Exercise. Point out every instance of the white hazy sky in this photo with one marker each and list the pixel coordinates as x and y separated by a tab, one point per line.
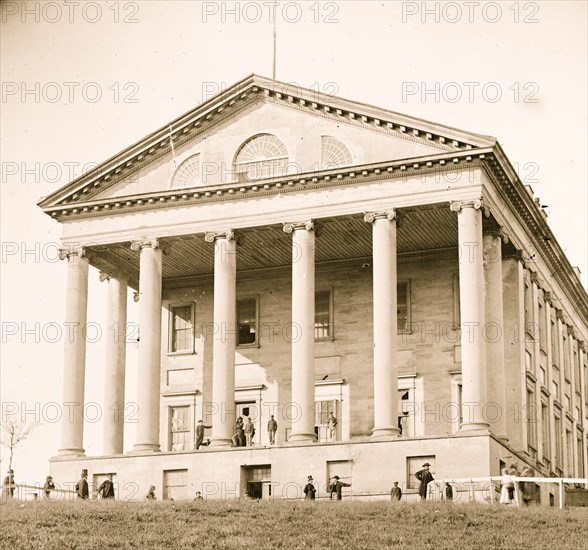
81	83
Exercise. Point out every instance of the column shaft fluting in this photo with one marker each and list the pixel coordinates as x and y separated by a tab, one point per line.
74	367
149	354
114	377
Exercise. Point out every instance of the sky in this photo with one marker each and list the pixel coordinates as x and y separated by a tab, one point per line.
83	80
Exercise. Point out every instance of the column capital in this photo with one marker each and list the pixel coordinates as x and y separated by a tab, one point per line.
370	217
149	243
67	253
548	296
456	206
229	235
107	275
290	227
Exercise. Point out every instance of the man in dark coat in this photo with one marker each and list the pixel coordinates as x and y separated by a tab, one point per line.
425	477
48	487
8	485
200	433
396	493
82	488
309	489
106	489
336	487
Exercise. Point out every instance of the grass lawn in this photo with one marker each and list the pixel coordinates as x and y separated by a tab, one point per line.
283	524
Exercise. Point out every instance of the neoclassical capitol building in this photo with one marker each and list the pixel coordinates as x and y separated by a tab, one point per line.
297	255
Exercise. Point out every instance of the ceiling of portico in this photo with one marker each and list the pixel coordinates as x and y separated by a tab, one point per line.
419	228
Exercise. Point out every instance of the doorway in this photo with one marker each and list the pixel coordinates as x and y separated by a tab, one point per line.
256	481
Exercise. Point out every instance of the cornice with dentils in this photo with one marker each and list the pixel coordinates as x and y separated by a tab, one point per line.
532	217
243	93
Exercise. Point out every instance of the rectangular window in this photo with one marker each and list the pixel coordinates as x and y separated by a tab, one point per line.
456	302
531	418
570	453
555	383
322	426
566	357
323	318
175	484
554	343
181	329
545	444
406	410
580	448
542	327
528	361
403	306
179	419
528	299
247	315
558	445
413	465
576	370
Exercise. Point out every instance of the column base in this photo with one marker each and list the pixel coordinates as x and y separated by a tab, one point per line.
302	437
146	448
390	432
220	442
71	452
471	426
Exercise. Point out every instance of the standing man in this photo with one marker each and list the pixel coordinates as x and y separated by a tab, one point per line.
106	489
272	428
425	477
248	429
336	487
396	493
448	492
82	488
200	427
48	487
332	425
8	484
309	489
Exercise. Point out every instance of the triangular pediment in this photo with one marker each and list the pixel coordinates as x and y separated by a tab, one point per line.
206	140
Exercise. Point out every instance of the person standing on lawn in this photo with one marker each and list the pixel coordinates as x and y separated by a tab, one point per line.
425	477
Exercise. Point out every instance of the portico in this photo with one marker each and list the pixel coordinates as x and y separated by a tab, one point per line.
391	289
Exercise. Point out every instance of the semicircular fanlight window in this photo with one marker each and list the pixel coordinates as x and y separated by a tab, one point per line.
188	173
261	156
334	153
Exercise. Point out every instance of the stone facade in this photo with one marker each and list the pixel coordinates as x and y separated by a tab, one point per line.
408	287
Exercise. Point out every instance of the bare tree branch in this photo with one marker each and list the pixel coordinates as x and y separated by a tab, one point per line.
12	433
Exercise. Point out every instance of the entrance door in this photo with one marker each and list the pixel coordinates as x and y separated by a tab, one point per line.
257	481
250	409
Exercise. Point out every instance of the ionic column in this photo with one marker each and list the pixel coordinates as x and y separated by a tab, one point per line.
74	362
114	376
303	296
385	323
224	337
471	293
149	354
494	331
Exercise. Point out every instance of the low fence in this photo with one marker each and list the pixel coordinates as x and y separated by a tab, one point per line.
488	488
474	489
